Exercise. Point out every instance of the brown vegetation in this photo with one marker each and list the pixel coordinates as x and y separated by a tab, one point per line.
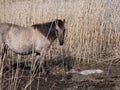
92	34
92	26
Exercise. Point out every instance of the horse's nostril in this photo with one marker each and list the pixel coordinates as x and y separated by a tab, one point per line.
61	43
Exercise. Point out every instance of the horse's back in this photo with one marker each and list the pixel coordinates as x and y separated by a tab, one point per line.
22	39
8	28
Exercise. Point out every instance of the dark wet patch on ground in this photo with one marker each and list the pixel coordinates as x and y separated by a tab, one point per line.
57	79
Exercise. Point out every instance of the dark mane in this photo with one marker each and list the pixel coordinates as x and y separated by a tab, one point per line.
45	27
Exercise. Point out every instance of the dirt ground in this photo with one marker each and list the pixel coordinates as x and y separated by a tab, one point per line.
57	79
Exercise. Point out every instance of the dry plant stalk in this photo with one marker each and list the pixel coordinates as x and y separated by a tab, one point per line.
92	26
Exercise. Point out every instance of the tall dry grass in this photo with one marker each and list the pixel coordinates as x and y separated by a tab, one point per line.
92	26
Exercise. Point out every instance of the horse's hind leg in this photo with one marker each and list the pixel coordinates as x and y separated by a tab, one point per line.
4	54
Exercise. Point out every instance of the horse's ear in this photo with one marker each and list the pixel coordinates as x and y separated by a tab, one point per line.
56	22
64	20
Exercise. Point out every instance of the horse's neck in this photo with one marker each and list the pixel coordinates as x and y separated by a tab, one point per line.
51	35
46	30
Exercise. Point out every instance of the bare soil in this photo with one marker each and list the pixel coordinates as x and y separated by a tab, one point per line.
57	79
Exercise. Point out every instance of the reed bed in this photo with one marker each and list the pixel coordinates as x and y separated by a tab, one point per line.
92	27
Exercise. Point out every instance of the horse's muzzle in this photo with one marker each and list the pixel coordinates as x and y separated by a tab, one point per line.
61	43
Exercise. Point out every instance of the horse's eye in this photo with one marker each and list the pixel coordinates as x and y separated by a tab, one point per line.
56	30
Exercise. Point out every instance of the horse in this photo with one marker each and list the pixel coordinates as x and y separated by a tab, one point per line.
33	39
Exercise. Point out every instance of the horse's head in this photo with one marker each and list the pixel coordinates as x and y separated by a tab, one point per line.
60	30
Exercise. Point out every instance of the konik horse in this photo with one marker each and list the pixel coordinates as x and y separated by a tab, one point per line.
34	39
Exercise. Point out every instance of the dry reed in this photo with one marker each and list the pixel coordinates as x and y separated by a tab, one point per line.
92	26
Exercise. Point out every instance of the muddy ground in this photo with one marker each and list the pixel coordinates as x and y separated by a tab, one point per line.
56	79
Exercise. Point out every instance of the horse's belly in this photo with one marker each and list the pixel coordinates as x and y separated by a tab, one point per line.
21	47
21	43
21	50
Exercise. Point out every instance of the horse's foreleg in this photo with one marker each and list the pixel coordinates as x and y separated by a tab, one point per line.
38	64
34	66
42	61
